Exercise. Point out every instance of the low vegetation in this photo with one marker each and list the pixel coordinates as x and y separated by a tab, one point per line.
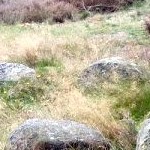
35	11
101	5
59	53
137	104
27	11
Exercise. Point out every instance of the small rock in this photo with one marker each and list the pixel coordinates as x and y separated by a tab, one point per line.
112	70
36	134
143	139
15	71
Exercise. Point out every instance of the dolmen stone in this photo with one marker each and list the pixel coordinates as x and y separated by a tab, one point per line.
15	71
112	69
36	134
143	139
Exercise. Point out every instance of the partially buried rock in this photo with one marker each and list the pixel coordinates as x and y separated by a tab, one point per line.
143	139
15	71
111	70
36	134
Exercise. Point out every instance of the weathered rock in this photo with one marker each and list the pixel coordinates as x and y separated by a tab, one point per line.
15	71
143	139
45	134
112	70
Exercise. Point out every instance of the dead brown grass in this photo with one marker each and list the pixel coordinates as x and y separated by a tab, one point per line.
71	44
68	102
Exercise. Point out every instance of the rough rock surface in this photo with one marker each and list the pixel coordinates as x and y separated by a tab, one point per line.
112	70
15	71
143	139
36	134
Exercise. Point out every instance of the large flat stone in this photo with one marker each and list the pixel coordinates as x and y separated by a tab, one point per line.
36	134
112	69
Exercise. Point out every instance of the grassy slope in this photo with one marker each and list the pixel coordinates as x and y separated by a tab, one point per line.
66	49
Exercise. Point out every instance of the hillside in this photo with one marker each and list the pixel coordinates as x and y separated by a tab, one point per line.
59	53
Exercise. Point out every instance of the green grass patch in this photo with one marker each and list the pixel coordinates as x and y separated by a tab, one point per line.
25	93
45	64
141	106
131	96
137	102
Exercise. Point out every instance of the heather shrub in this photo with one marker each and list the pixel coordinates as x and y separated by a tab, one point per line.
22	11
100	5
61	11
35	11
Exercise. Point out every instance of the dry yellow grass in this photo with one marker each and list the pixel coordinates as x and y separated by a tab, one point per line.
69	103
76	45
